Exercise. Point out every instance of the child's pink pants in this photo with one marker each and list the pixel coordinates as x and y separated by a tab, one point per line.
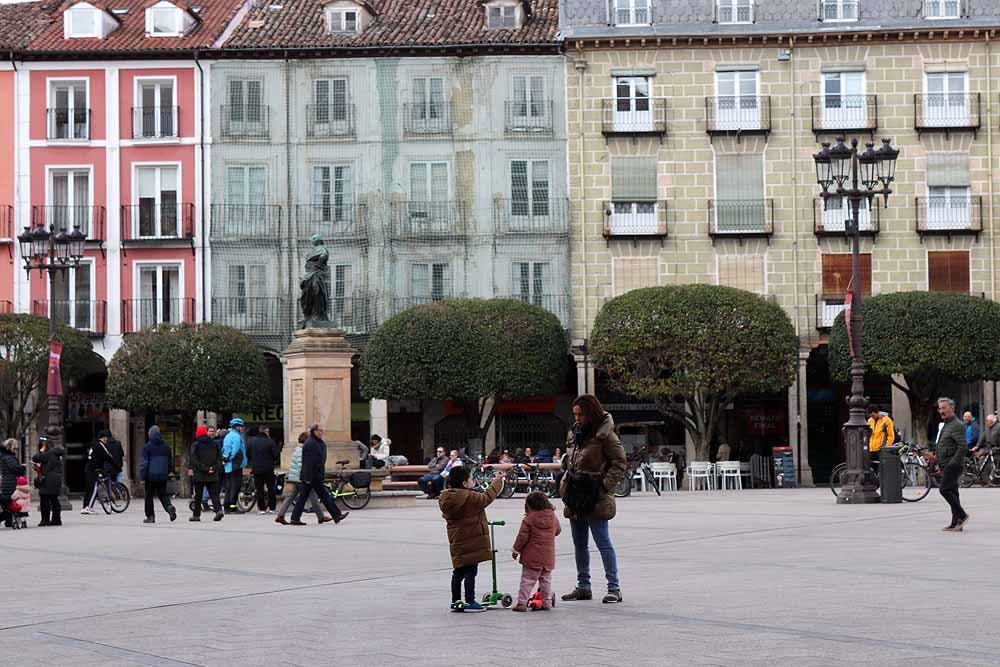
529	577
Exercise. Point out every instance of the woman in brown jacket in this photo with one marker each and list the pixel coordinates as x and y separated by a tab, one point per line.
595	457
468	533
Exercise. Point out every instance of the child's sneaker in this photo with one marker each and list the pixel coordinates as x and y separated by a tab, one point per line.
458	606
474	606
520	607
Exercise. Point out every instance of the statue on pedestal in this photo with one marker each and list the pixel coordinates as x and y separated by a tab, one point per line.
315	296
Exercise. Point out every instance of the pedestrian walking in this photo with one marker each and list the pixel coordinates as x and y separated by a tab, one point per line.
234	456
294	486
206	464
157	463
264	455
48	480
312	476
536	547
596	464
951	450
10	470
464	510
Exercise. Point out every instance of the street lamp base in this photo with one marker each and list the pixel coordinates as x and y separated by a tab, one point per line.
858	497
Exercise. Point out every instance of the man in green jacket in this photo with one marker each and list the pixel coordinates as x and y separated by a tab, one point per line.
951	452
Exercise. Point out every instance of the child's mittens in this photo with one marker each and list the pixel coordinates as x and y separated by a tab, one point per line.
515	555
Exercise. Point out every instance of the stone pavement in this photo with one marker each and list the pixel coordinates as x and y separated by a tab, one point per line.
783	577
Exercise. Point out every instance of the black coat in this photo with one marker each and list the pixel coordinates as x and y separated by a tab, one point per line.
263	454
51	470
117	462
10	470
206	455
106	458
313	461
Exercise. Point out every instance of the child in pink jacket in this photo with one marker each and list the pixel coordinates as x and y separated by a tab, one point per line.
536	546
21	498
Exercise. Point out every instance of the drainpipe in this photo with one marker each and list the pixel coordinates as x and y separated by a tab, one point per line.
204	205
989	180
13	63
795	261
581	66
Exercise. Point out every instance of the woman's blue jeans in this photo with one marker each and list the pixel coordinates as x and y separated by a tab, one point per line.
582	529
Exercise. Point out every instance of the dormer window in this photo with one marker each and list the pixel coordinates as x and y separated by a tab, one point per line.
164	19
82	20
501	15
347	17
342	20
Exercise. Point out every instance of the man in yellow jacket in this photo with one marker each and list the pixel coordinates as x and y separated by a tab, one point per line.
883	431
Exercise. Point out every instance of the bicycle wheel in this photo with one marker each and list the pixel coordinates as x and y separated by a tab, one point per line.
248	496
970	473
916	482
120	497
102	497
355	499
624	488
836	479
509	484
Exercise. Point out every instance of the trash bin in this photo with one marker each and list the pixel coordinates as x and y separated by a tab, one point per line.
891	476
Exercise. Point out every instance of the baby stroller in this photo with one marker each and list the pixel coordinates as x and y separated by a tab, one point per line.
12	516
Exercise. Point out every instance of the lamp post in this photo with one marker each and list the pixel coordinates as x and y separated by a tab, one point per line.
844	172
52	252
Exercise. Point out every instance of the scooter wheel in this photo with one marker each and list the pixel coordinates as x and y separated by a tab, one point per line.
553	599
486	599
507	601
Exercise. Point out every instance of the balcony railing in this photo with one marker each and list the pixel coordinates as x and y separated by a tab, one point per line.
90	317
947	112
738	114
827	309
332	222
6	223
90	219
830	217
636	219
67	124
740	218
329	121
642	116
528	119
524	217
246	122
144	222
355	314
844	113
949	216
155	122
260	316
246	221
138	314
428	219
427	120
399	304
557	304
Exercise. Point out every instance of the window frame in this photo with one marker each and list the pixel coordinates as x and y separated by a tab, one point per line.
446	291
503	7
629	7
70	279
734	6
80	10
942	5
71	172
175	14
942	114
839	4
158	218
332	212
533	205
539	286
336	20
159	265
159	82
951	195
737	116
51	86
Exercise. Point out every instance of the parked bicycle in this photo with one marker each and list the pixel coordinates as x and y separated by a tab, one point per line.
982	470
351	488
113	495
482	475
915	477
637	460
247	497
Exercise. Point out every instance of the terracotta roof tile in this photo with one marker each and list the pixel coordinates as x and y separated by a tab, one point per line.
301	24
22	22
130	35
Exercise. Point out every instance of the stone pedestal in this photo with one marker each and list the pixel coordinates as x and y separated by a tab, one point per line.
318	391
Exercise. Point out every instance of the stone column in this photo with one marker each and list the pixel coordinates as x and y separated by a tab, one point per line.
584	374
378	416
798	422
318	376
120	428
901	415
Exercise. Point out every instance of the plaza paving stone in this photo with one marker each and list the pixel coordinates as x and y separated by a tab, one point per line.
764	577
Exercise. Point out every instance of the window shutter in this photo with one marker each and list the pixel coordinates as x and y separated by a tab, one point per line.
610	4
633	179
744	272
948	170
948	271
837	275
420	281
633	273
740	177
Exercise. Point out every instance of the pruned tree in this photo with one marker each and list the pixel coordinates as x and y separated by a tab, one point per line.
931	339
24	359
474	352
691	349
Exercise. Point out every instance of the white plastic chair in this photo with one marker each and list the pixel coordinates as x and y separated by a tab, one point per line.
730	472
701	471
745	472
665	474
637	476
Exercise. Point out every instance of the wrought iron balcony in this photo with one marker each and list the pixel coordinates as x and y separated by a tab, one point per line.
355	314
6	223
138	314
258	316
738	114
525	217
844	113
949	216
740	218
827	309
399	304
90	317
830	218
246	221
90	219
67	124
635	219
152	223
417	220
526	119
427	120
333	222
155	122
245	122
557	304
330	121
634	120
947	112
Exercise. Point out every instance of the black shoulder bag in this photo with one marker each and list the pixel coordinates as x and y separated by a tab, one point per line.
583	489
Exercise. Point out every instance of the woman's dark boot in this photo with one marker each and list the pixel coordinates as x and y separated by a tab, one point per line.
578	594
612	597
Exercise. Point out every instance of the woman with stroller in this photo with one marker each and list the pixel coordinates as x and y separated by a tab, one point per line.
10	470
49	479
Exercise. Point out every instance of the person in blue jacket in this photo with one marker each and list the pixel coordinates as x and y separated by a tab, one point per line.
234	456
157	463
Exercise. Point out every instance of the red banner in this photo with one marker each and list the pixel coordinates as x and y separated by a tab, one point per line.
55	373
848	300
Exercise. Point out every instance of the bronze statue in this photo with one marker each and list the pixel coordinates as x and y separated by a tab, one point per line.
315	296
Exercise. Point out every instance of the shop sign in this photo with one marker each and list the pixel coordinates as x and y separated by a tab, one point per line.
629	407
766	423
272	414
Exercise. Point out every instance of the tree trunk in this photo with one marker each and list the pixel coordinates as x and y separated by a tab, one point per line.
187	438
922	408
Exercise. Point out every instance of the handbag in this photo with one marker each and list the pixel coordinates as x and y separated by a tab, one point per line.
583	489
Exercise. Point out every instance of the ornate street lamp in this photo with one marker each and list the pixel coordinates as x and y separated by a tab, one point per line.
843	172
52	253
